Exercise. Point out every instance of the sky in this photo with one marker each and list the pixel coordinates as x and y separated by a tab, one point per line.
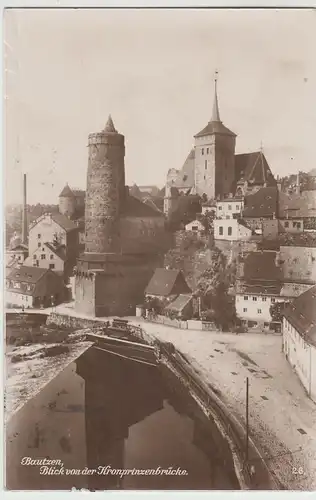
66	70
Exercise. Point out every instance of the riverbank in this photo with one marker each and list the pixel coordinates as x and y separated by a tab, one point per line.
35	355
282	417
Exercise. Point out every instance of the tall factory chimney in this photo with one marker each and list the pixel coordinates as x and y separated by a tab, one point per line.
24	213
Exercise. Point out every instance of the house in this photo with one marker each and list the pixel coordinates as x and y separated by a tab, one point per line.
167	284
261	205
62	234
208	207
258	286
16	254
195	226
297	206
231	230
298	262
49	256
229	208
181	307
299	339
33	287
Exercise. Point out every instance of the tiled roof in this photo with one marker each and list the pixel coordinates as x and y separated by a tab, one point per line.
64	222
185	178
263	203
66	192
164	280
150	203
215	127
27	274
134	207
301	313
179	303
59	251
253	168
260	289
261	266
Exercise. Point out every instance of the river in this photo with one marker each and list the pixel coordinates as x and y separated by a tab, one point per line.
103	411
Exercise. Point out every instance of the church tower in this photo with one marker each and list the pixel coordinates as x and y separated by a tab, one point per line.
214	156
105	190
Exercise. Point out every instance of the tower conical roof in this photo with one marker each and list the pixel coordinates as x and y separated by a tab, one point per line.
215	126
66	191
215	113
109	126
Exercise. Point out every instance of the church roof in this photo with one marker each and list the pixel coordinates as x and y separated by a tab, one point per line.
215	127
253	168
133	207
66	192
185	178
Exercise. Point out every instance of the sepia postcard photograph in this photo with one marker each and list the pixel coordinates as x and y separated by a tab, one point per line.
159	260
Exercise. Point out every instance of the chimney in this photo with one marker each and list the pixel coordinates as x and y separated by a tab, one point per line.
24	213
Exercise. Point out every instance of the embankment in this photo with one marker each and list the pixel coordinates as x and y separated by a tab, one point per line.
254	474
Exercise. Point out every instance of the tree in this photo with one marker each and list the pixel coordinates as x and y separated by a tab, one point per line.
277	311
212	290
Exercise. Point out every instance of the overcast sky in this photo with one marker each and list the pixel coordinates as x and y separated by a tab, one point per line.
66	70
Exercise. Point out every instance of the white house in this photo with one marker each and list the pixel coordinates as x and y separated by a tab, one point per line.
299	339
225	209
195	226
253	308
231	230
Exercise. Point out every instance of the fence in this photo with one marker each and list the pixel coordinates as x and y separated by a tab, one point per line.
190	324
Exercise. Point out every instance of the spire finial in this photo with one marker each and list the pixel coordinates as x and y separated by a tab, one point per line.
215	113
109	127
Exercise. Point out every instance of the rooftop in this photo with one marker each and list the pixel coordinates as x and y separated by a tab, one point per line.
254	169
301	313
164	280
27	274
263	203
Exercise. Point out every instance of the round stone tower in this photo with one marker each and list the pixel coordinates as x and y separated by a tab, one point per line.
67	202
105	190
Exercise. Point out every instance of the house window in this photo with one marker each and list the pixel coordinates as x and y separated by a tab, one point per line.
34	257
51	266
207	151
246	297
259	311
298	225
221	230
202	151
43	256
230	230
39	244
204	177
286	224
39	236
245	309
264	299
205	163
273	300
195	228
229	207
237	207
254	299
51	256
220	208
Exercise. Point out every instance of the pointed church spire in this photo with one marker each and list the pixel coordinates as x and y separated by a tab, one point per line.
109	127
215	113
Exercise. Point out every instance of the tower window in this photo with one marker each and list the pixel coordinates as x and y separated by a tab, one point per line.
205	164
202	151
